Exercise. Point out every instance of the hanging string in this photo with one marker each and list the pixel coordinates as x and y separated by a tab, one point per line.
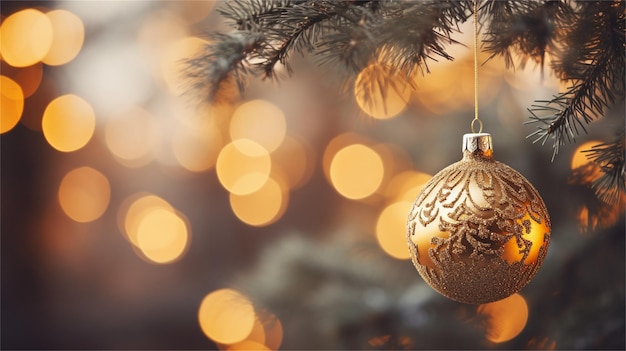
476	120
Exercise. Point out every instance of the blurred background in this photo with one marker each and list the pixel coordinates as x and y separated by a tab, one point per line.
134	217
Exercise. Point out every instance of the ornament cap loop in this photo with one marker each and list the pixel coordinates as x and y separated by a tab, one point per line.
478	143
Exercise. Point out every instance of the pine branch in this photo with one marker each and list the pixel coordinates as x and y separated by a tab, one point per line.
303	25
427	29
595	67
585	39
224	59
354	33
254	15
527	29
611	185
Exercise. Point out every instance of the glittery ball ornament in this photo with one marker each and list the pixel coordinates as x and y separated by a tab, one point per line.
478	231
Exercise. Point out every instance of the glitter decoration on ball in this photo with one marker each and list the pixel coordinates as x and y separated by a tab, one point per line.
478	231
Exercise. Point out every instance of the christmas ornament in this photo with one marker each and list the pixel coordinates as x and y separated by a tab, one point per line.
478	231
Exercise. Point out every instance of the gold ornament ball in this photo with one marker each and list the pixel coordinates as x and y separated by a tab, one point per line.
478	231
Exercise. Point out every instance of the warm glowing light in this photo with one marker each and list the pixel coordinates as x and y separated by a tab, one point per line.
68	123
579	158
257	334
226	316
135	208
266	334
26	37
603	215
247	345
406	185
68	35
157	31
12	105
197	146
192	11
162	235
132	137
243	166
294	160
391	230
505	318
356	171
535	234
28	78
84	194
273	329
338	143
154	227
380	92
259	121
262	207
450	86
172	64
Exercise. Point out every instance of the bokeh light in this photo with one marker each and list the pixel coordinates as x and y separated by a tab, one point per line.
380	92
391	230
356	171
154	227
28	78
158	31
257	335
505	318
193	11
67	40
243	166
262	207
196	145
12	104
226	316
259	121
294	160
273	330
266	334
68	123
338	143
84	194
172	63
247	345
132	136
26	37
162	235
135	208
406	185
449	86
123	62
579	158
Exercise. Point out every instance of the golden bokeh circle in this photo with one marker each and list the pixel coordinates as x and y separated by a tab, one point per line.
226	316
84	194
68	123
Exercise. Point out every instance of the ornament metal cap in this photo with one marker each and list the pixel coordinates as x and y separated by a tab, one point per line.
478	143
